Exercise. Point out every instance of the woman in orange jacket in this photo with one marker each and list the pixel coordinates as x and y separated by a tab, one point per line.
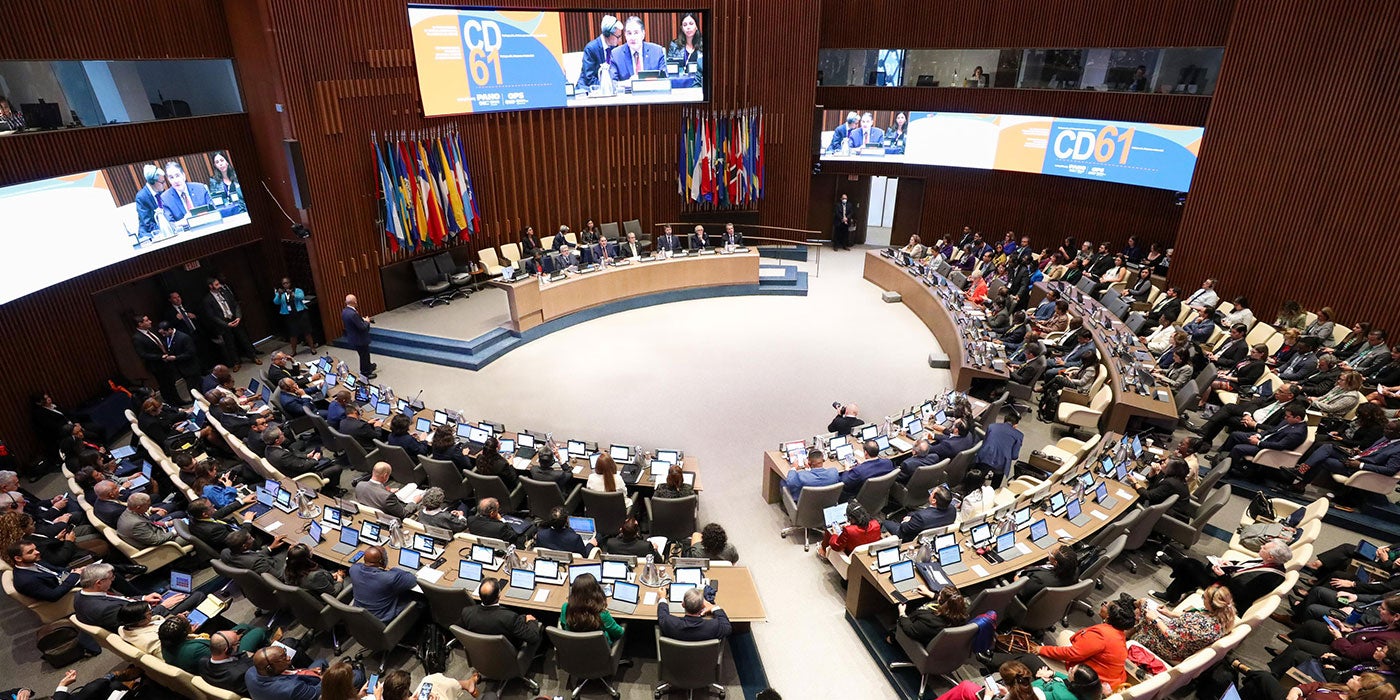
1102	647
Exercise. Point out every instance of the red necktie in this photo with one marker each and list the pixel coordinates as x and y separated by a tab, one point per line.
637	62
185	197
1374	448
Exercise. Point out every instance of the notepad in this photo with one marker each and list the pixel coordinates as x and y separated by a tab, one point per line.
541	595
1098	515
1060	532
977	569
1022	546
1123	494
430	575
649	598
578	469
940	578
273	525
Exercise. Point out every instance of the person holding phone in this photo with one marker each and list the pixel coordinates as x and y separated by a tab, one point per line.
1337	643
272	677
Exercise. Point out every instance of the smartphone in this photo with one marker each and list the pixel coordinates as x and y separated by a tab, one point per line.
1331	623
358	556
373	682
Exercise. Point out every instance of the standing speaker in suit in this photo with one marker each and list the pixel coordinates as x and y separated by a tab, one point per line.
843	222
225	316
181	345
157	359
357	333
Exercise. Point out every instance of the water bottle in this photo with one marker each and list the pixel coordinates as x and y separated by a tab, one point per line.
885	427
605	81
512	559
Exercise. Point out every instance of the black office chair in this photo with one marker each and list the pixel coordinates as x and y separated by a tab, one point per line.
459	276
433	282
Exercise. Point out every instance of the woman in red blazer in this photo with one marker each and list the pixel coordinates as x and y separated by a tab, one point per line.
859	529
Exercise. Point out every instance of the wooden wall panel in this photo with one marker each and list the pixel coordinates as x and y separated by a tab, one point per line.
53	338
1186	110
1295	195
1045	207
351	73
1043	24
113	30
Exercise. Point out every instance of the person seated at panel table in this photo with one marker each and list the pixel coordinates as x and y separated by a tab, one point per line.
732	237
921	457
860	528
601	252
630	541
560	240
597	52
529	242
631	247
668	241
897	133
400	435
868	135
698	240
958	438
536	264
813	473
842	133
565	259
637	54
938	513
873	466
182	196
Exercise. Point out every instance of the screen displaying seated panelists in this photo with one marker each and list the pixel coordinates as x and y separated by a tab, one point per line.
482	60
70	225
1162	156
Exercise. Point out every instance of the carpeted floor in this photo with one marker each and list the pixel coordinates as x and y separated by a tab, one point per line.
722	379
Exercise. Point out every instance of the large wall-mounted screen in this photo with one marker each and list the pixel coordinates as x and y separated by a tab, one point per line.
67	226
1162	156
481	60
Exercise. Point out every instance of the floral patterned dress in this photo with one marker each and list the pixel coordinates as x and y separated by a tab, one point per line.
1193	631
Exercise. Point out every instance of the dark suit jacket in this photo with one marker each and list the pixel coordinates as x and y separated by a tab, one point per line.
187	359
530	267
146	212
150	351
1286	437
856	477
626	250
950	445
529	243
1040	578
877	137
215	316
736	239
669	242
1231	353
44	586
228	674
559	262
494	619
1249	585
912	464
211	532
925	518
1383	461
653	58
356	327
285	687
595	55
276	373
289	462
108	511
175	207
1027	372
363	432
1001	446
410	444
564	540
172	316
838	135
294	406
487	527
689	628
1169	309
595	253
99	610
699	242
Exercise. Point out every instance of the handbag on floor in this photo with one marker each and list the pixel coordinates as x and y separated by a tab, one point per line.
1015	642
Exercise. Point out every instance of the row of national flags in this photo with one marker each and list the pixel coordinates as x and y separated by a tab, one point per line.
425	190
721	157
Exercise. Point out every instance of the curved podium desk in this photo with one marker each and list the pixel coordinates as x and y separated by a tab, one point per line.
532	304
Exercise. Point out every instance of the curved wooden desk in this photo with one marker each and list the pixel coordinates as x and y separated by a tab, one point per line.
920	299
532	304
737	593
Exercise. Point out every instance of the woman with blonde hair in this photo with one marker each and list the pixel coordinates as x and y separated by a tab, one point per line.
1342	399
1175	636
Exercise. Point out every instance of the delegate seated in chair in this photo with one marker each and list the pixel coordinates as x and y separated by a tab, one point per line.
1288	435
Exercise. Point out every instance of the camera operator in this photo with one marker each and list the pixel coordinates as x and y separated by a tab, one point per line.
847	418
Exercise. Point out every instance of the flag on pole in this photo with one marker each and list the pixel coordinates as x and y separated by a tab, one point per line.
386	198
458	221
464	184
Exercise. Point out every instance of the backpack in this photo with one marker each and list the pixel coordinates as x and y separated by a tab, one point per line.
432	649
58	643
1261	508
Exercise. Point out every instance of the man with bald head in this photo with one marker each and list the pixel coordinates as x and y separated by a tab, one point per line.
488	522
378	590
273	678
357	333
137	527
375	493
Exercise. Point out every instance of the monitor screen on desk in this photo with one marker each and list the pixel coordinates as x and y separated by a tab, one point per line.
474	60
949	555
1039	529
886	557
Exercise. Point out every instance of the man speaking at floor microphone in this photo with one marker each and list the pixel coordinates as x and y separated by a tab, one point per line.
357	333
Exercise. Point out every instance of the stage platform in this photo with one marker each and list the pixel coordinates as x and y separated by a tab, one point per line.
471	333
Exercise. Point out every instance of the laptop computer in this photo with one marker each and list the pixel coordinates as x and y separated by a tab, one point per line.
575	449
846	453
950	559
486	557
615	571
622	454
1006	546
524	445
314	534
869	432
410	560
424	543
349	541
885	558
835	516
1102	498
330	515
1074	512
1057	503
180	582
549	571
577	570
263	504
522	584
691	575
1040	534
468	575
382	408
585	527
671	456
1021	518
981	535
903	578
675	595
283	502
370	531
624	597
423	425
882	442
